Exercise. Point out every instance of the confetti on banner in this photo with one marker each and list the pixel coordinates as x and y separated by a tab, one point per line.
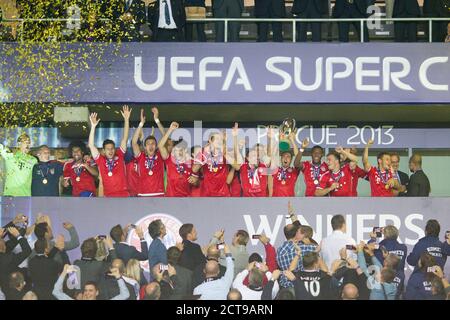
48	62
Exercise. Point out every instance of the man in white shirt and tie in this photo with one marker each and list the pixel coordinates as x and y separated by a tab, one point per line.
338	239
167	19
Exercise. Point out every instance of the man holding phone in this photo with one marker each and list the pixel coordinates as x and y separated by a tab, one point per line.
390	245
123	250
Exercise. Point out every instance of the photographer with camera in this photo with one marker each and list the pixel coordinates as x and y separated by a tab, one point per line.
215	288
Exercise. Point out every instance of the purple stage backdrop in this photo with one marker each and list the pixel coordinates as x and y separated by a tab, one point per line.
96	216
238	73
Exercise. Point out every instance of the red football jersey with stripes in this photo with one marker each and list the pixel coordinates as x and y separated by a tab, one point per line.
378	180
312	175
113	174
254	180
284	182
177	178
343	177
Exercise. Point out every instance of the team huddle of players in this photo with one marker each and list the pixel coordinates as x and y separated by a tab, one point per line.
209	171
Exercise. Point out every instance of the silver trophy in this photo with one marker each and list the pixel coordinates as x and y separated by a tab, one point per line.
287	126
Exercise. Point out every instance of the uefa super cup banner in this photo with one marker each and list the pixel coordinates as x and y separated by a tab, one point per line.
93	217
225	72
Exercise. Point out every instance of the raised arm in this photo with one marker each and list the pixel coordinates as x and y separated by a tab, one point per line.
137	134
126	112
158	122
294	144
91	145
298	157
237	157
162	143
348	155
365	159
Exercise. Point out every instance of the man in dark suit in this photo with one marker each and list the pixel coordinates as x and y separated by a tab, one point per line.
309	9
274	9
91	269
157	252
350	9
9	261
402	177
108	286
405	31
123	250
227	9
183	287
44	270
419	185
167	20
192	254
437	9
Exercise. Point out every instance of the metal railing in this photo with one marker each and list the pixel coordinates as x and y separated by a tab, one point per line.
292	21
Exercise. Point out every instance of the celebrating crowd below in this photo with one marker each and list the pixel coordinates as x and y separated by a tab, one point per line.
35	264
171	168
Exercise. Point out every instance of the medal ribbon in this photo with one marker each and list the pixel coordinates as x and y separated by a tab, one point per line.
282	174
180	168
251	172
150	162
339	177
316	172
383	176
42	171
78	169
110	164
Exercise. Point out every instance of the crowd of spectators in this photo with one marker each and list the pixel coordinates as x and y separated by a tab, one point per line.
34	264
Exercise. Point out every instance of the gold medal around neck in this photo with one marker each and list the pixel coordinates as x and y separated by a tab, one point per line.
283	181
44	181
150	173
110	174
316	182
77	179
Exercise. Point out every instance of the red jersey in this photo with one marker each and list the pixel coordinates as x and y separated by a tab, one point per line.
177	178
196	191
151	171
254	180
357	173
133	177
113	174
312	175
235	186
345	179
378	180
284	182
80	178
215	172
